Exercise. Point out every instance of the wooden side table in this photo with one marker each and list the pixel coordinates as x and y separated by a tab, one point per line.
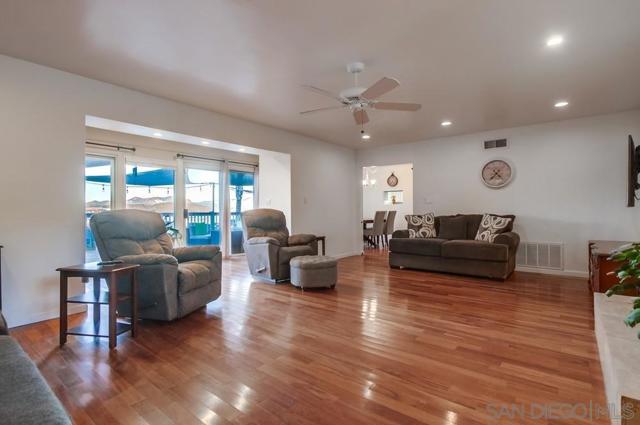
322	239
600	266
96	328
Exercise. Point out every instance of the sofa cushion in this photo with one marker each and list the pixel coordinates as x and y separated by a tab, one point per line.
453	227
421	225
475	250
473	222
193	275
130	232
288	252
265	222
491	226
417	246
4	328
25	397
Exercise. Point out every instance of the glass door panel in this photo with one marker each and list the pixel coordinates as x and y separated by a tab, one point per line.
98	197
241	198
151	188
202	209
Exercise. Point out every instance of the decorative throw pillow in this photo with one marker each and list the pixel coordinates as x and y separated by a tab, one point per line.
421	226
491	226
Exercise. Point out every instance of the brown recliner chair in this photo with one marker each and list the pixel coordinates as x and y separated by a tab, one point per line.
268	246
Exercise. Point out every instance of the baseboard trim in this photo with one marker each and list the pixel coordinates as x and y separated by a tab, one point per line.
47	315
565	273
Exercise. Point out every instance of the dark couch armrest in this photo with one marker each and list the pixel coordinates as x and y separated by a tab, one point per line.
192	253
404	233
4	329
511	239
301	239
149	259
263	240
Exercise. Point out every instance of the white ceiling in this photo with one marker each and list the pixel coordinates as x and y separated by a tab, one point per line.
482	64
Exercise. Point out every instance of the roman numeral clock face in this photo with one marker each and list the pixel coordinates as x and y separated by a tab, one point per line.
497	173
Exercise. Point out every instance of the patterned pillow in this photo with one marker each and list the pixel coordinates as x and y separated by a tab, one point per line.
421	226
491	226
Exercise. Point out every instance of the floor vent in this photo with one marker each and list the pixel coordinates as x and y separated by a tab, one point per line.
543	255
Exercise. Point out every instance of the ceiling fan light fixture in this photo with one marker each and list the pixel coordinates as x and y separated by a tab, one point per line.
358	99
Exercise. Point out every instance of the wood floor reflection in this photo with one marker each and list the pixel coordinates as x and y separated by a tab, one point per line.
386	347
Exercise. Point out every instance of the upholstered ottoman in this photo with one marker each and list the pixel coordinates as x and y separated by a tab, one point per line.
314	271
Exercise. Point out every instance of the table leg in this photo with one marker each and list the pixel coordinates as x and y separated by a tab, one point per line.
96	307
63	308
134	302
324	246
113	301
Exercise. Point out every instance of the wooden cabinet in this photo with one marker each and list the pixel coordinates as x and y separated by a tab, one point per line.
600	265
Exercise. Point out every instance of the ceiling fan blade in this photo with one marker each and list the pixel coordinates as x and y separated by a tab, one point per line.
322	92
397	106
383	86
328	108
361	116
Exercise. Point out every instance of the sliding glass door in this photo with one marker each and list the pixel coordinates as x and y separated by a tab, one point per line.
98	197
202	206
241	198
201	199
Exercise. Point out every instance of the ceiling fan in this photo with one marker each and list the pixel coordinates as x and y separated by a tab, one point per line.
358	99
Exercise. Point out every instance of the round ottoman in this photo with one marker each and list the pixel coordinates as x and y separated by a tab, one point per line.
314	271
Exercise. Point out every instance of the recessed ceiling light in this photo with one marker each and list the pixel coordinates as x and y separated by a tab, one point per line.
445	123
157	134
206	142
242	149
365	136
555	40
561	104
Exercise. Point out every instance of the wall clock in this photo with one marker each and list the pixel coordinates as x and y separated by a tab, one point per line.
392	180
497	173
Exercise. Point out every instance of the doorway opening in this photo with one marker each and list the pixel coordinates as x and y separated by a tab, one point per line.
387	196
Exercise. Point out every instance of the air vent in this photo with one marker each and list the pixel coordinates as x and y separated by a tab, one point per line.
543	255
498	143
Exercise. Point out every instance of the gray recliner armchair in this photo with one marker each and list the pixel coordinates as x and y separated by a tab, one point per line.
268	246
172	282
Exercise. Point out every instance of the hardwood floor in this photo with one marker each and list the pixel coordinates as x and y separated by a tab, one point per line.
386	347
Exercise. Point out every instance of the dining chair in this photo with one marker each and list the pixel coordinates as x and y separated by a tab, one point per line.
374	233
389	226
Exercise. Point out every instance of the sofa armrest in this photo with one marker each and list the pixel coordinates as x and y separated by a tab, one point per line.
511	239
301	239
149	259
263	240
404	233
192	253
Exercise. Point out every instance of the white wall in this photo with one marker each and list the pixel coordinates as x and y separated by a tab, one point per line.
569	186
42	134
274	182
373	194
